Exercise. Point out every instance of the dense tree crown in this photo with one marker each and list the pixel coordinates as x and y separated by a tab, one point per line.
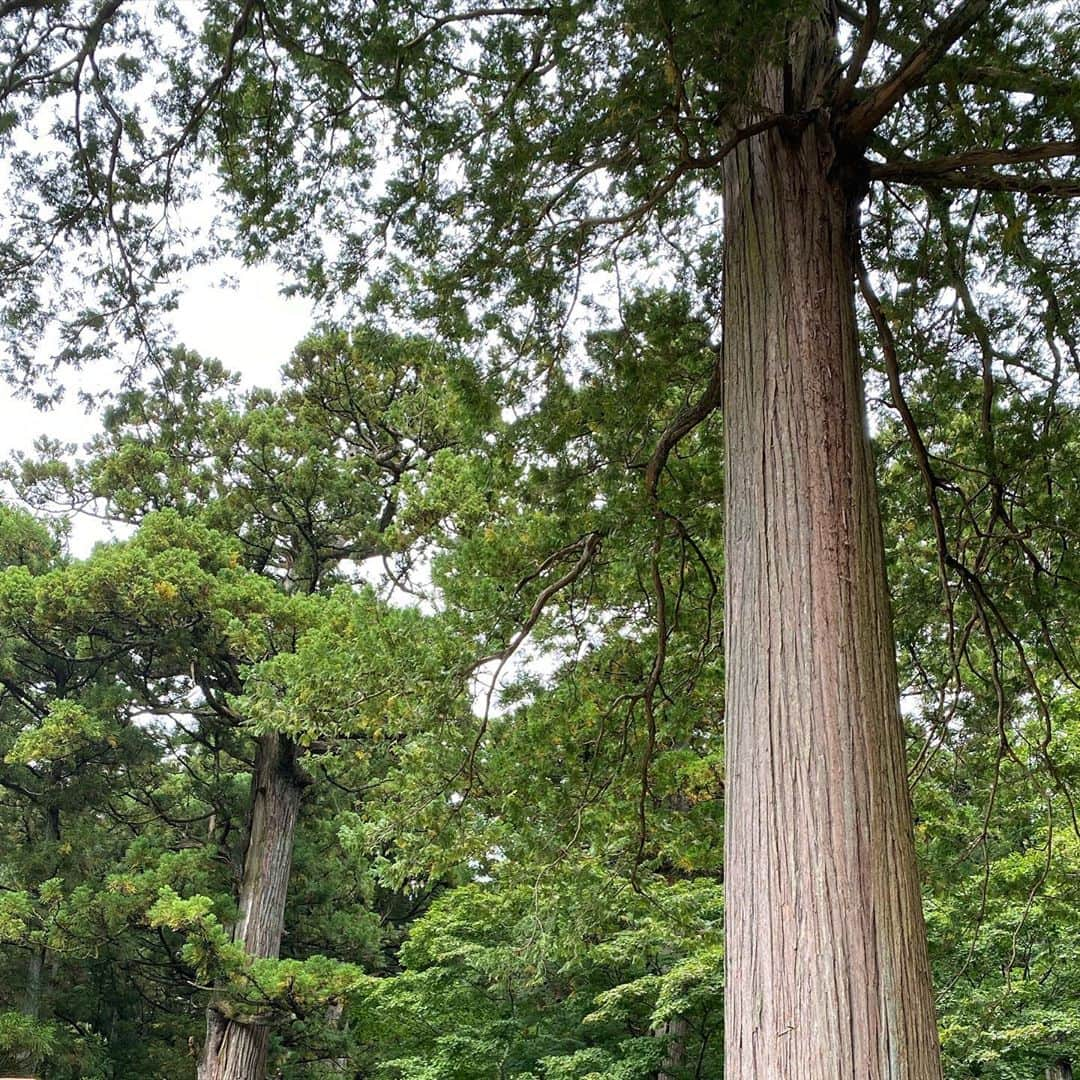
546	677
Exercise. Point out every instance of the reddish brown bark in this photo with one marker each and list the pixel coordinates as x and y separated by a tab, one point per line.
827	970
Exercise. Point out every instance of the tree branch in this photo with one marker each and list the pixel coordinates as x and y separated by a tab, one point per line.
1020	79
1014	78
476	13
588	545
912	72
13	6
867	34
979	158
974	171
882	34
685	422
691	164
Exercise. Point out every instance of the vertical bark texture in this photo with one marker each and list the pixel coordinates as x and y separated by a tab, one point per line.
827	970
236	1049
1060	1070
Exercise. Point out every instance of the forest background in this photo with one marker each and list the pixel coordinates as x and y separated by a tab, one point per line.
388	739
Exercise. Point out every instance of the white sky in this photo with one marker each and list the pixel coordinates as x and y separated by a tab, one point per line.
251	329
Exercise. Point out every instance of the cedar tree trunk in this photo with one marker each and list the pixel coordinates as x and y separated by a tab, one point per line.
826	964
236	1047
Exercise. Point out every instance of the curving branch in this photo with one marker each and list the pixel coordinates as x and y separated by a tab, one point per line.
788	123
685	422
533	12
588	546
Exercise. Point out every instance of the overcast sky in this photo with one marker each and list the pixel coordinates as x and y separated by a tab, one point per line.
250	328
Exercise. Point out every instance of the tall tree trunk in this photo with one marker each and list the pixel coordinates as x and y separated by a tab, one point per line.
1060	1070
826	965
236	1048
36	980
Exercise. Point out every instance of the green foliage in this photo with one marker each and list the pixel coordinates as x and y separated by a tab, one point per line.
24	1040
65	728
569	977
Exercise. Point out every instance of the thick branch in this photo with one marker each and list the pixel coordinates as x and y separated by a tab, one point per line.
13	6
960	174
1013	78
979	158
913	69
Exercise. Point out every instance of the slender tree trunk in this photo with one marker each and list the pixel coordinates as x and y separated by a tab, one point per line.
826	965
36	980
677	1028
35	975
236	1049
1060	1070
675	1031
